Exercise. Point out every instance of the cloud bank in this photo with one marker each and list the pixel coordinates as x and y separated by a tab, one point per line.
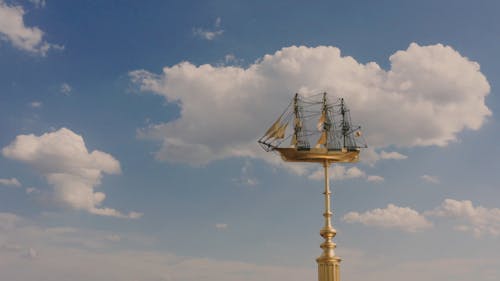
29	251
429	95
62	157
478	220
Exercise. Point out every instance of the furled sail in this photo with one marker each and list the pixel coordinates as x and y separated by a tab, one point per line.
293	143
298	126
322	139
322	126
297	123
321	122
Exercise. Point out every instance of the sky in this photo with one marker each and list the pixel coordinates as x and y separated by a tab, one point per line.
128	139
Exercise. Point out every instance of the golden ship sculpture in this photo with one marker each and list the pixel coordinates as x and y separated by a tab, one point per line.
337	141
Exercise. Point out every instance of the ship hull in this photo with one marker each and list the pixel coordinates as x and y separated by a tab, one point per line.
318	155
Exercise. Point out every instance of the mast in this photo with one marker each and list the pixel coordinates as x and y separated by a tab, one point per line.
345	126
326	121
298	139
324	124
297	124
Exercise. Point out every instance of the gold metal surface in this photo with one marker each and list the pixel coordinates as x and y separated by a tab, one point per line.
335	133
328	262
318	155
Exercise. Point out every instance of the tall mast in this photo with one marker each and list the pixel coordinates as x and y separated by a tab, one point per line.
297	125
345	126
326	126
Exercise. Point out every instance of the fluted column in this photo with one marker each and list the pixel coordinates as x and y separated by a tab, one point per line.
328	262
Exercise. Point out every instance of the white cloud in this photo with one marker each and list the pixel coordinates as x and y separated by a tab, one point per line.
65	89
221	226
35	104
73	172
374	178
38	3
14	30
340	172
10	182
370	156
429	95
392	216
392	155
431	179
113	237
209	34
478	220
231	59
32	190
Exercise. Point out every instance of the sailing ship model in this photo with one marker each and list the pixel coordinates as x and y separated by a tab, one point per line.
337	141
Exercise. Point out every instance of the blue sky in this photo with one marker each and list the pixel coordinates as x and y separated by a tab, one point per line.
128	139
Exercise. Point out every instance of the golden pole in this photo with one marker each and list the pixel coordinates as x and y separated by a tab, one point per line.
328	262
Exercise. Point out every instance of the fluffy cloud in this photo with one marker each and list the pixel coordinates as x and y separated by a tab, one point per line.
392	216
32	190
479	220
370	156
221	225
13	30
339	172
392	155
429	95
74	173
431	179
38	3
375	179
35	104
65	89
10	182
209	34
